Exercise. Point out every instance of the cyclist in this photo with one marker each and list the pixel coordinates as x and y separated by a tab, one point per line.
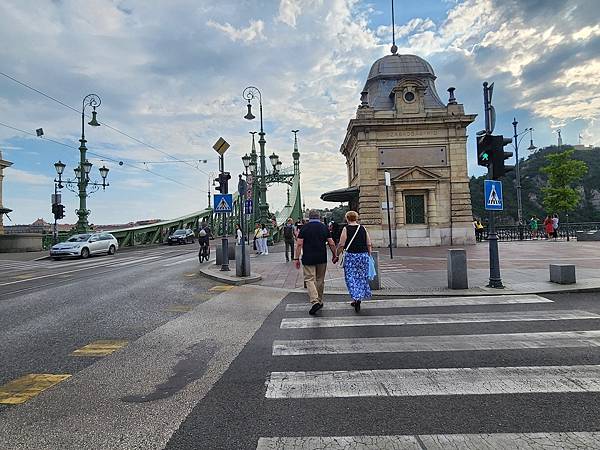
204	235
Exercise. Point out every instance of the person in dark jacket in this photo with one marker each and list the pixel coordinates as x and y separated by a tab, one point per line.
289	236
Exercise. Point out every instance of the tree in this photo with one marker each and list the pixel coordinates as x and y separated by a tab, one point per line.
563	171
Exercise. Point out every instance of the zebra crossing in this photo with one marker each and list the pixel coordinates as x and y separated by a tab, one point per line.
551	337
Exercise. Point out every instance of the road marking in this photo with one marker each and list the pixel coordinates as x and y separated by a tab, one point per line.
424	382
136	261
180	308
100	348
524	441
221	288
28	386
422	302
189	275
25	276
181	262
49	275
447	343
426	319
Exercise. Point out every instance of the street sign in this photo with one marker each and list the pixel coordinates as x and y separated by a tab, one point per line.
221	146
223	203
493	195
56	199
388	178
248	207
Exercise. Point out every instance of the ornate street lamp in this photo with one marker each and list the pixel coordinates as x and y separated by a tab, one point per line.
250	94
274	160
246	160
104	173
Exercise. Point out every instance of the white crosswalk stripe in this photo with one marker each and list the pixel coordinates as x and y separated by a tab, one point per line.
431	301
448	343
531	441
426	319
424	382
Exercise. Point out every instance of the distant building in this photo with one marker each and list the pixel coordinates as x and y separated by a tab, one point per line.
40	226
583	147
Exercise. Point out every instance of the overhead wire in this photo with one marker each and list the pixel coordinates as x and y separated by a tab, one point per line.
102	123
104	157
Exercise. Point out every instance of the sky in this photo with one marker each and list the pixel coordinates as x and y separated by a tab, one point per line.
171	75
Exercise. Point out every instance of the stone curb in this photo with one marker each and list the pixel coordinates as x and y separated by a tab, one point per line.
227	279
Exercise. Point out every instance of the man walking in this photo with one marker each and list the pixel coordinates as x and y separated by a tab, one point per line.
289	234
311	244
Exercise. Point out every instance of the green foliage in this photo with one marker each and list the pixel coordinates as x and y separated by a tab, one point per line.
534	180
563	172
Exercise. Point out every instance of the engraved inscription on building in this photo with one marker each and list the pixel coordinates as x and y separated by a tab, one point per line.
413	156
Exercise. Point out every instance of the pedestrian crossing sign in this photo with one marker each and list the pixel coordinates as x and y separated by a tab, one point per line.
223	203
493	195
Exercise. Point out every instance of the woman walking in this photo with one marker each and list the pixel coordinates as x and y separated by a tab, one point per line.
264	239
548	227
356	245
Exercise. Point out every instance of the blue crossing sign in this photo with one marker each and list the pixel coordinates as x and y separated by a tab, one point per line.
223	203
492	194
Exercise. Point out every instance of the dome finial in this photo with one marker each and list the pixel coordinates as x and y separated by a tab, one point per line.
394	46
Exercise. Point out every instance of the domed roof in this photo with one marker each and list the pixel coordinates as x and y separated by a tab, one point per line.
394	65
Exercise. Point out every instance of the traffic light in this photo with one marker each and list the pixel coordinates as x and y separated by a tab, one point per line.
223	178
499	155
484	149
58	211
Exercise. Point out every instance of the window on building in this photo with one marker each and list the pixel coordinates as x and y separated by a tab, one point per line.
415	209
354	170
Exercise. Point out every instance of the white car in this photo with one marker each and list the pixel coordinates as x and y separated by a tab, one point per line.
84	245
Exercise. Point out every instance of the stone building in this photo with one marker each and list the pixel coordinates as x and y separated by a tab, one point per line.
403	127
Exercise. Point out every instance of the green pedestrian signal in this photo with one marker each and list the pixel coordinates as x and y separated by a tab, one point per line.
484	143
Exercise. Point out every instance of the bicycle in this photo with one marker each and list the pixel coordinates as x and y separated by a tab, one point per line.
204	253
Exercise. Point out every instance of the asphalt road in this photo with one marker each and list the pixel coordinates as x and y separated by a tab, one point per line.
247	404
204	367
49	308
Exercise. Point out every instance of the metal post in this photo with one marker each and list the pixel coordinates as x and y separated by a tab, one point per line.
387	197
224	241
495	279
518	179
568	238
55	228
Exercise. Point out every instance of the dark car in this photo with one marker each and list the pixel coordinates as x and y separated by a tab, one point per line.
181	237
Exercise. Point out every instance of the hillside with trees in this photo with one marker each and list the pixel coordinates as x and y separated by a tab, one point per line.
533	180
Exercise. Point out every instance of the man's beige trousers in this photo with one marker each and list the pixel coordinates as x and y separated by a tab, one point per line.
314	277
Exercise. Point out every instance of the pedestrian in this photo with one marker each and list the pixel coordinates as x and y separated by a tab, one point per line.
257	239
238	234
264	239
548	227
355	242
555	226
533	226
312	243
289	235
478	226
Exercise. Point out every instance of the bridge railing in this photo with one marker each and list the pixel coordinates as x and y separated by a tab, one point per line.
514	232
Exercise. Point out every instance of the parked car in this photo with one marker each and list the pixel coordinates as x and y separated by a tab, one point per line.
84	245
181	237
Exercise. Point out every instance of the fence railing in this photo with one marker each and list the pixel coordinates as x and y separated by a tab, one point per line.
524	232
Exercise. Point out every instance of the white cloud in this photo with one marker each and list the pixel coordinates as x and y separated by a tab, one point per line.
25	177
254	31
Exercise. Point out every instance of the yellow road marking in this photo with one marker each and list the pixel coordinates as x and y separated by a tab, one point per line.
24	276
28	386
190	274
99	348
202	296
180	308
221	288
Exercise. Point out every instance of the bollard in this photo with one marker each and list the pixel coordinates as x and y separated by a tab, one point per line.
457	269
562	273
219	250
238	261
375	283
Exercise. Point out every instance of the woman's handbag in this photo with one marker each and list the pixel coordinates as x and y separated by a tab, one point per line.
372	271
343	255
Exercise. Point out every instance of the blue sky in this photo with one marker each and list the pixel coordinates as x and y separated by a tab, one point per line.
171	74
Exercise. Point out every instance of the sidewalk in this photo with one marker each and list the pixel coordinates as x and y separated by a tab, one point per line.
422	270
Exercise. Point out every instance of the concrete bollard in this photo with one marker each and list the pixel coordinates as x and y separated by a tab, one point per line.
375	283
457	269
238	261
562	273
230	249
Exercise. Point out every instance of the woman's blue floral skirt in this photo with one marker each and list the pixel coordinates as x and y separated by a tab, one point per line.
356	273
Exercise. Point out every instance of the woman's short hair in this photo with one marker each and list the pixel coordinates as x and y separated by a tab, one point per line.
351	216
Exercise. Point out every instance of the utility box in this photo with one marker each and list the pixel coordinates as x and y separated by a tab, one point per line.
457	269
562	273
